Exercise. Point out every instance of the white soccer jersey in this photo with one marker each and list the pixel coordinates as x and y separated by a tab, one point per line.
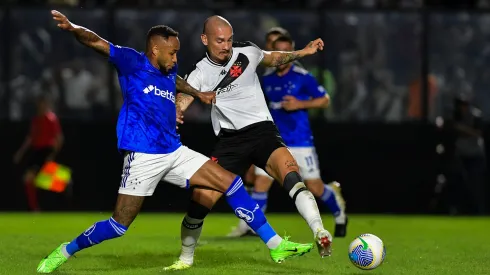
239	97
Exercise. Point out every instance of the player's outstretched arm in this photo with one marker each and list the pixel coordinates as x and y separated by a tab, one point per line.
277	58
83	35
183	87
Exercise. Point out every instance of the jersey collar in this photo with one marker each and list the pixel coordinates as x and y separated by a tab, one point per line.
218	64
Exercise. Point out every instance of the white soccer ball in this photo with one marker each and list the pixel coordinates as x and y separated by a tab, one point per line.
367	251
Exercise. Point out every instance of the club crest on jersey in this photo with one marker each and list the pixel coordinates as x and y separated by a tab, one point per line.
236	69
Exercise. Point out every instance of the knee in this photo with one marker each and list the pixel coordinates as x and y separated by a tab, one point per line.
205	198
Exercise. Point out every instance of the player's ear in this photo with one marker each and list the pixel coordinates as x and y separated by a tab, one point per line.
204	39
155	50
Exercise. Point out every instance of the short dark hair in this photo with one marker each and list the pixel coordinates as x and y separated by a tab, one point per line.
277	31
283	38
160	30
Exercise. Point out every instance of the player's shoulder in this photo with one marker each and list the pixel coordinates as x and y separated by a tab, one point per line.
127	50
246	47
243	44
197	67
300	70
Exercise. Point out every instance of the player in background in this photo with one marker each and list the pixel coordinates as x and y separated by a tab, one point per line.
42	144
291	90
242	121
152	149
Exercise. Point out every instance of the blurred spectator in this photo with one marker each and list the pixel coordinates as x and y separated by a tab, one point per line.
48	61
415	96
468	168
41	144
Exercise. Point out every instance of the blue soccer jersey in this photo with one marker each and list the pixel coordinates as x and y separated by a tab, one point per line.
147	118
294	126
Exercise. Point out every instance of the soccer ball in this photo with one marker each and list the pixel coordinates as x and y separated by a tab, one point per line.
367	251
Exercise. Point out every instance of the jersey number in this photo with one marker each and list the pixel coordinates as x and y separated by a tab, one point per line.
309	160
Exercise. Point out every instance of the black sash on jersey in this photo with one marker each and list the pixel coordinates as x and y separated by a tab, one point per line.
234	72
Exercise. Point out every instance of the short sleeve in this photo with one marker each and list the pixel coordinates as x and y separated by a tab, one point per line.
252	50
312	87
126	60
194	78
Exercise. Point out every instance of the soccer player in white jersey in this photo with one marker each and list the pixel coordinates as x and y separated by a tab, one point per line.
147	137
244	125
291	91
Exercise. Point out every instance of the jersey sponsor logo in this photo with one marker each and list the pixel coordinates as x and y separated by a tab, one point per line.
246	214
89	230
186	224
159	92
226	89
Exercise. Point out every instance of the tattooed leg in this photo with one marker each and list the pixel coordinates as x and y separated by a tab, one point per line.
127	208
284	168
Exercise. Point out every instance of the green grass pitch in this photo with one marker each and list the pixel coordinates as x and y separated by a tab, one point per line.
415	245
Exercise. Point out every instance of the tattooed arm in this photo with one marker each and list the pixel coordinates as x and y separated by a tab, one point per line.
277	58
188	92
183	101
186	96
83	35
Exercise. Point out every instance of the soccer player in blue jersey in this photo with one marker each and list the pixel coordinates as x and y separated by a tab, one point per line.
291	90
152	149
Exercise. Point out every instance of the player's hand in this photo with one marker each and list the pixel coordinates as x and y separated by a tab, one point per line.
314	46
207	97
180	117
291	103
63	22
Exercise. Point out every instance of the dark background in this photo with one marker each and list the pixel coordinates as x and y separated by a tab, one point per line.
384	157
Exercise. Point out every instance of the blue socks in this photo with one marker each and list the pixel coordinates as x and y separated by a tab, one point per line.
248	210
97	233
261	199
328	197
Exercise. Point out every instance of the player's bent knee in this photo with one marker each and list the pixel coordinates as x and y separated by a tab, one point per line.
205	197
212	176
293	183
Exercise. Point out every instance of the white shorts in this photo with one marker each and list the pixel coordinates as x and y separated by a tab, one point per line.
307	160
142	172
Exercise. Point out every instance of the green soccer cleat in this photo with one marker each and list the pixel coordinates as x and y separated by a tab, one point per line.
51	262
178	265
288	249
